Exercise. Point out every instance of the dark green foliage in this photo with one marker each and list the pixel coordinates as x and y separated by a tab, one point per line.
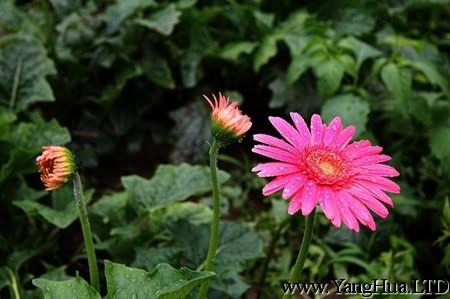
120	83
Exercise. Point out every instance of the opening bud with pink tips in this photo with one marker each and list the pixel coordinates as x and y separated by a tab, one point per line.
228	122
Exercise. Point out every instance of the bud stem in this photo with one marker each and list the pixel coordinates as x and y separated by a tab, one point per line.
214	236
87	233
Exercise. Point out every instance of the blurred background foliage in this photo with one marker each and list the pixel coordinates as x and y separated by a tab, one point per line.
120	82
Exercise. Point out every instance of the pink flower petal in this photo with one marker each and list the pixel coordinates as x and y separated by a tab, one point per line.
286	130
375	190
370	202
275	153
276	184
302	128
274	169
364	152
353	148
337	220
371	160
344	137
382	183
295	204
347	215
276	142
381	170
309	198
294	185
360	211
333	130
327	201
316	129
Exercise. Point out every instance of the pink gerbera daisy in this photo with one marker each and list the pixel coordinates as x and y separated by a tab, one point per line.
321	167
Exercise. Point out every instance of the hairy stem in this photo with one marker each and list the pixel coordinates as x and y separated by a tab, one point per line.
214	236
87	233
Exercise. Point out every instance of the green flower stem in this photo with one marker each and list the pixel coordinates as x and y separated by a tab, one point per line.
214	236
87	233
301	257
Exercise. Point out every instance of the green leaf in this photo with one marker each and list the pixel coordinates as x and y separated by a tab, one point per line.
361	50
24	66
232	51
352	19
111	207
163	282
330	73
432	74
352	109
113	90
193	213
117	13
27	139
297	67
36	134
398	82
148	258
238	244
75	288
63	212
162	21
170	184
266	50
440	146
157	70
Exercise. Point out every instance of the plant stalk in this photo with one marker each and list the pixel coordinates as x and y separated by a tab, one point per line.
214	236
87	233
301	257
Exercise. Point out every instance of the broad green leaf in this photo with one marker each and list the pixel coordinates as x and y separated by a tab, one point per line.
27	139
361	50
164	282
148	258
432	74
121	10
111	207
330	73
64	210
74	288
6	118
266	50
170	184
113	90
193	213
352	109
352	20
297	67
190	133
238	244
162	21
398	82
157	70
19	162
201	45
440	146
24	66
14	19
21	191
232	51
65	7
36	134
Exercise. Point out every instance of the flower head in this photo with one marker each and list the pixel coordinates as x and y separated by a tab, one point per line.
321	166
228	122
56	165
